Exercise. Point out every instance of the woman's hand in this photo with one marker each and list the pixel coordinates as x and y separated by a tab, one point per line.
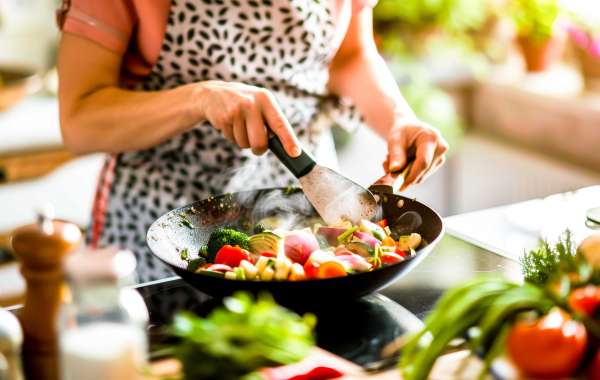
245	114
414	139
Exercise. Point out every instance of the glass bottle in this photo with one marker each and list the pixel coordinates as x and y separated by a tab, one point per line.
102	330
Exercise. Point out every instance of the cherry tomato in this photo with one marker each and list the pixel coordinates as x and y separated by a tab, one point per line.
383	223
310	269
232	256
550	347
330	269
402	253
593	371
585	300
389	258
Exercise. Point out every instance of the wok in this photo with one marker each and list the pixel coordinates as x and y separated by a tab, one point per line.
189	227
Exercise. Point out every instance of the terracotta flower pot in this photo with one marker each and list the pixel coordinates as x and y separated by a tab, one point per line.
540	55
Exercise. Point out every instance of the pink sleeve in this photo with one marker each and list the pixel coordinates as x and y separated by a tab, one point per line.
107	22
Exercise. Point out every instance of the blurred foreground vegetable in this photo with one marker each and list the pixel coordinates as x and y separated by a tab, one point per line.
481	310
240	337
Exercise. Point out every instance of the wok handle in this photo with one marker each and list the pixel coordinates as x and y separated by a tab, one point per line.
390	182
299	166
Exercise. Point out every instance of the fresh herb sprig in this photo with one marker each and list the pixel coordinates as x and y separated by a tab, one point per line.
240	337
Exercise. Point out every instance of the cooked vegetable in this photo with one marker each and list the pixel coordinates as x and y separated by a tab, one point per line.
231	256
549	347
239	338
374	229
272	255
408	242
331	233
298	245
366	238
264	242
225	236
330	269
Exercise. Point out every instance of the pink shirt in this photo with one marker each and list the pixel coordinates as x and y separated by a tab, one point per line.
133	29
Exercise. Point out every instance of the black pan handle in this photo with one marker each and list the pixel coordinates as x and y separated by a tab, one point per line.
299	166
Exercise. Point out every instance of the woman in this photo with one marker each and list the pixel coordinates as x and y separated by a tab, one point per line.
181	94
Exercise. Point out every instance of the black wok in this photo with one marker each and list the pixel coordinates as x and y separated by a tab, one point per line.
173	232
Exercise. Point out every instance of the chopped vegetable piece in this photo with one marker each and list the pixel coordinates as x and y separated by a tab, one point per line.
383	223
231	256
331	269
372	228
408	242
282	268
265	241
310	269
298	245
388	242
297	273
346	235
365	238
389	258
219	268
354	263
249	269
331	233
585	300
231	275
225	236
239	273
360	248
268	254
267	274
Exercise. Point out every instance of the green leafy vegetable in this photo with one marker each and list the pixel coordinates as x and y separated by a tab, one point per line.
543	264
196	263
240	337
184	254
225	236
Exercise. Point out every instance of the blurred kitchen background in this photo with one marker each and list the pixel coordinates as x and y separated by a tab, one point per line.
514	86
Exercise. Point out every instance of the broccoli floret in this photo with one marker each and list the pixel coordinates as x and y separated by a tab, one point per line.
225	236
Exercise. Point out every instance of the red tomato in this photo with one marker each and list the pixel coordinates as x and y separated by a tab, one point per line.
550	347
389	258
268	254
402	253
383	223
231	256
310	269
585	300
593	372
330	269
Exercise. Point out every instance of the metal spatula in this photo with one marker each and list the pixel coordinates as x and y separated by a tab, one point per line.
334	196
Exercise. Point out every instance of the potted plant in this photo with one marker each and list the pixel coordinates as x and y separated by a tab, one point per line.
538	34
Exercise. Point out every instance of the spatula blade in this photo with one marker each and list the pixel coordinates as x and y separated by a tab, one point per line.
336	197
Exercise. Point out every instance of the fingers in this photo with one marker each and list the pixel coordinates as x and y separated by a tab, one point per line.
239	132
396	151
257	131
278	124
426	146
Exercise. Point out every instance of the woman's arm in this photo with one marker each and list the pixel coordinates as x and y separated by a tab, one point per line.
360	73
97	115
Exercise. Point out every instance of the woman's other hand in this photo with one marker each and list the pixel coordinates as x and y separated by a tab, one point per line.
244	114
414	139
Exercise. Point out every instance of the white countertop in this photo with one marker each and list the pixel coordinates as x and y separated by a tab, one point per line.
510	230
31	124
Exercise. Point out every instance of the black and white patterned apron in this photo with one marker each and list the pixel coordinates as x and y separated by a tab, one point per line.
284	46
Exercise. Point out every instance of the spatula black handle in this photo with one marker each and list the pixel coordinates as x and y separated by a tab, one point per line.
299	166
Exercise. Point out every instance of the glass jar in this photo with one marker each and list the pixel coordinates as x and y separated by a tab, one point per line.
102	330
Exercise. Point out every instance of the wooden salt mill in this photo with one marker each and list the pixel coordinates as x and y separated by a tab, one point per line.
40	248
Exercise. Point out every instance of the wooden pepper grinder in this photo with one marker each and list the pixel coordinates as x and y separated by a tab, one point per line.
40	248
